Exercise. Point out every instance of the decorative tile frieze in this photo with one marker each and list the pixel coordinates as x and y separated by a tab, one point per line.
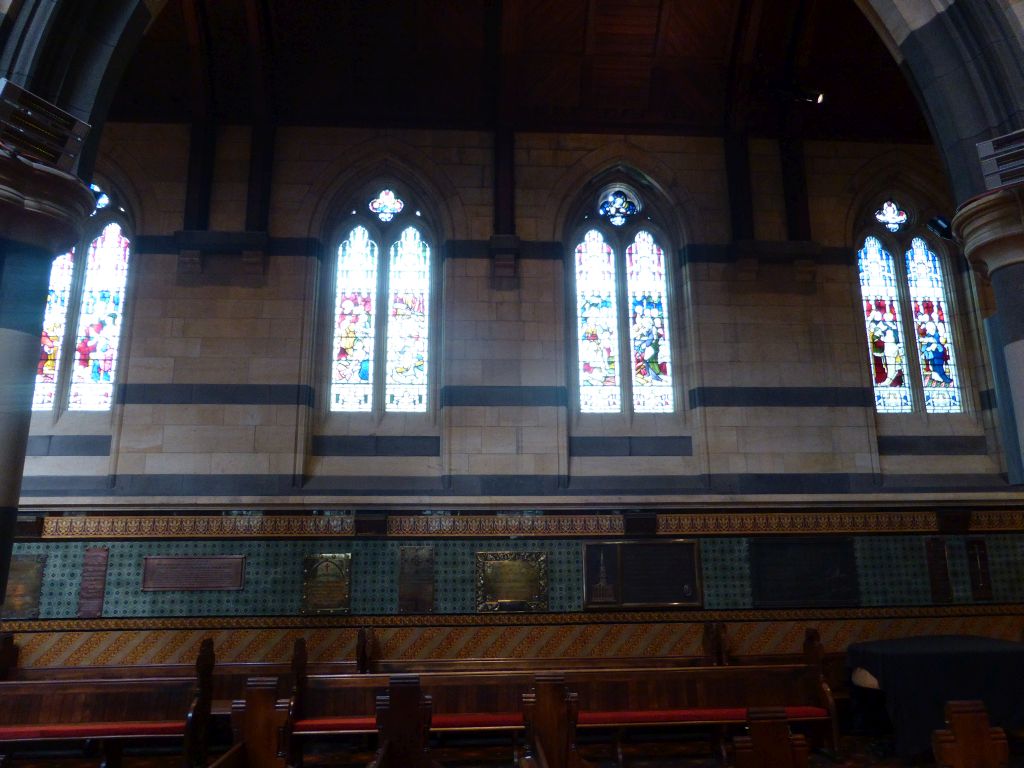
196	526
774	523
505	525
998	520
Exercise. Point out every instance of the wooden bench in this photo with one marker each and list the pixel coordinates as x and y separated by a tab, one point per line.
110	711
970	741
611	698
768	742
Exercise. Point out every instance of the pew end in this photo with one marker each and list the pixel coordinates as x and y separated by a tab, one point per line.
769	742
970	741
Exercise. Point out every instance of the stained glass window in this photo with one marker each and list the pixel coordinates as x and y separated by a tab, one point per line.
354	323
932	323
618	205
98	337
408	314
597	326
883	321
386	205
380	355
891	216
646	284
54	325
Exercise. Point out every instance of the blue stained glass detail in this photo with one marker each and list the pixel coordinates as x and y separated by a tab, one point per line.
646	284
618	207
932	322
884	325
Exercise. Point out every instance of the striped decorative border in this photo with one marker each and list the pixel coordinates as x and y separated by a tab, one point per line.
754	523
196	526
505	525
508	619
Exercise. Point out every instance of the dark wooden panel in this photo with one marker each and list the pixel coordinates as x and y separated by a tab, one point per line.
938	570
803	572
225	572
642	574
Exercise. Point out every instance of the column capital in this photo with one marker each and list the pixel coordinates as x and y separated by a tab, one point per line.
991	228
41	206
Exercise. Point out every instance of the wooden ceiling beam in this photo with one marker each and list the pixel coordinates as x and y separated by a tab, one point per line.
261	145
736	110
203	135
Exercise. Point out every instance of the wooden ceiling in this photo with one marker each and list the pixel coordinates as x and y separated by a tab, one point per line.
662	66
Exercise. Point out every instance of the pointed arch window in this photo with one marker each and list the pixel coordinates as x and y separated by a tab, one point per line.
381	332
908	291
623	349
82	322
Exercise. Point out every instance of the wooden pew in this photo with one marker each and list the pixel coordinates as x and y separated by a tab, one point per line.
769	743
111	711
8	655
403	722
970	742
710	697
550	712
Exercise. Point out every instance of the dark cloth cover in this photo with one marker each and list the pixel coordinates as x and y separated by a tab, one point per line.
918	675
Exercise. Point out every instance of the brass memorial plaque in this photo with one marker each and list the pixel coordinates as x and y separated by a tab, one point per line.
511	581
416	579
24	585
192	574
326	582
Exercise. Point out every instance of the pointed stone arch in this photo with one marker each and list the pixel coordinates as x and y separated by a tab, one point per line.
641	167
379	157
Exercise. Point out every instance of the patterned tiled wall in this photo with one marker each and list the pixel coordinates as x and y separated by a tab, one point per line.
1006	561
726	572
892	571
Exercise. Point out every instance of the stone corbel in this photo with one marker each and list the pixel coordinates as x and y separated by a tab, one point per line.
221	258
504	250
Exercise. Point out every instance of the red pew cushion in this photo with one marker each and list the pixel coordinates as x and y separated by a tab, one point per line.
91	730
477	720
696	715
336	724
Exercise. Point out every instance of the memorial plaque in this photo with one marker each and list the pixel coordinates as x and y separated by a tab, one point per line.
634	574
978	570
94	583
24	585
511	581
416	579
192	574
803	572
326	583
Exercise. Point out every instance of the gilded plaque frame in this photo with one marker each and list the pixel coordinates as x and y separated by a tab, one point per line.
24	587
327	584
511	582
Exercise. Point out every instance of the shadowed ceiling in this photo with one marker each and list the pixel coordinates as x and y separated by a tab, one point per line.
663	66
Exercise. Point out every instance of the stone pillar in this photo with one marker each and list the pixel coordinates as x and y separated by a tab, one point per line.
991	229
42	211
